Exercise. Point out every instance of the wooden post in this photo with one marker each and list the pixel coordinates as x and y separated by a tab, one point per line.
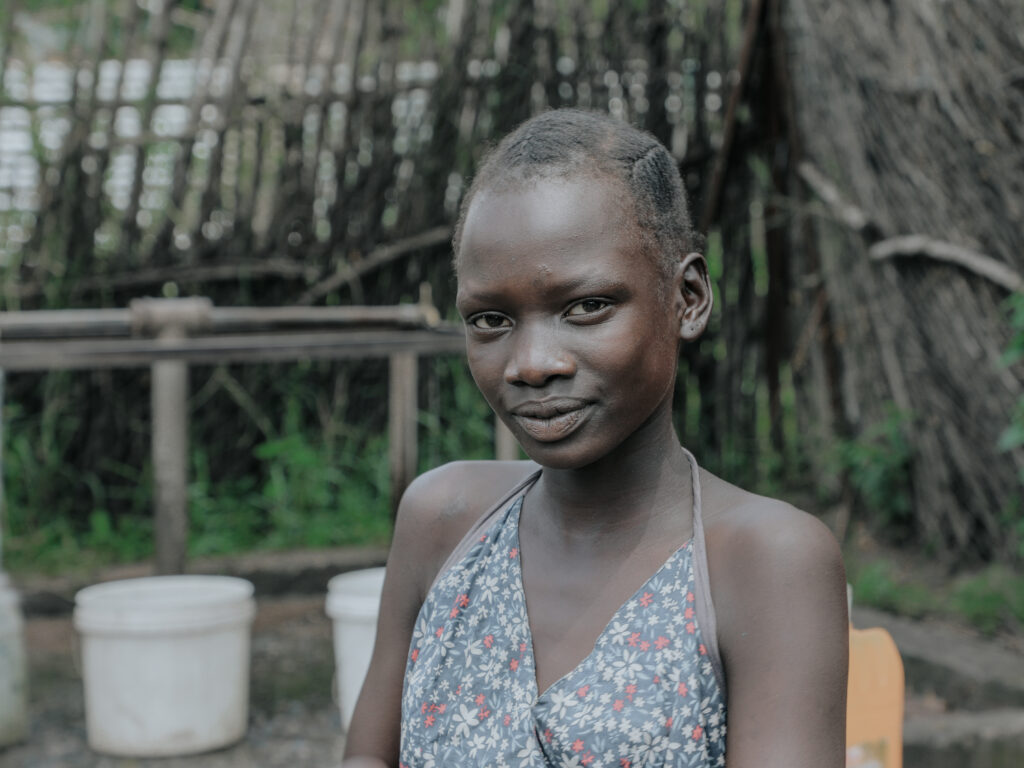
506	447
171	319
402	421
168	405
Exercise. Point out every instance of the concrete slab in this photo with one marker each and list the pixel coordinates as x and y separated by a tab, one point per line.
965	670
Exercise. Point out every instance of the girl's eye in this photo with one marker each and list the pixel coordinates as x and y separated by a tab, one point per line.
490	321
586	307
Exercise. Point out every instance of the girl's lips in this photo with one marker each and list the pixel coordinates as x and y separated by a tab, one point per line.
553	428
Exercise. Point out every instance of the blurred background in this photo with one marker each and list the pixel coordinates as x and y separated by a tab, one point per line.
857	168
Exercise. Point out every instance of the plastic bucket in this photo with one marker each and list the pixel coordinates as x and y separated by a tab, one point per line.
165	663
353	602
13	698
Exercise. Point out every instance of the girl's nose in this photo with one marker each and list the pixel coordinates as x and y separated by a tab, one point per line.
537	358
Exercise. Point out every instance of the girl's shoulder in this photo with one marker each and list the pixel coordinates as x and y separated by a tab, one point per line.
765	555
741	524
440	506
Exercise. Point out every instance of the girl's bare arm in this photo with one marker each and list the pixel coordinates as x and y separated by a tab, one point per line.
780	592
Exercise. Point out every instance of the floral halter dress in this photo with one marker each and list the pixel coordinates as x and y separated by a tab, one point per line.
649	694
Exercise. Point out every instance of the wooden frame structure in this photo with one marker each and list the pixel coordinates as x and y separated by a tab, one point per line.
169	335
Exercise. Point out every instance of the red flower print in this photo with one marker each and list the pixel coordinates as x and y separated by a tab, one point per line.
462	601
689	597
479	699
630	690
429	721
453	613
688	613
484	713
415	653
513	552
489	641
507	720
657	679
697	731
618	705
587	759
423	709
645	646
668	721
662	642
547	735
633	639
682	689
441	707
483	537
440	631
522	647
703	650
514	664
645	601
690	628
577	746
583	691
624	763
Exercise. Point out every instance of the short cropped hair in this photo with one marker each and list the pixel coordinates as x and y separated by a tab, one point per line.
568	142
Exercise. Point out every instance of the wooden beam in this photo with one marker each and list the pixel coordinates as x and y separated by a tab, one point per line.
74	354
506	447
75	323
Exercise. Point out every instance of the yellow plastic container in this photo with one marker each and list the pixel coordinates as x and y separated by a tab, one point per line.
874	704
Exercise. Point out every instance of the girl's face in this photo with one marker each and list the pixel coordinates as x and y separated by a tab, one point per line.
572	331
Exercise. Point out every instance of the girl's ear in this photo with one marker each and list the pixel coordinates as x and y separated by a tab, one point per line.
694	299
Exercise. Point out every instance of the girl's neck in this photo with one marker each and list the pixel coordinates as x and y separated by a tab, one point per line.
628	490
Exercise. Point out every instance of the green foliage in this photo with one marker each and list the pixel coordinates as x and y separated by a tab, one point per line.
877	463
309	496
878	584
37	519
461	427
991	600
308	485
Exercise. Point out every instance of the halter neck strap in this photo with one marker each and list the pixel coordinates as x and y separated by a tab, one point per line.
702	582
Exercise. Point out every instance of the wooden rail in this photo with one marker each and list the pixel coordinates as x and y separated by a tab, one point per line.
169	335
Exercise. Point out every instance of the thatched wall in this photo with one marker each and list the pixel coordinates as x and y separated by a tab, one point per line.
910	118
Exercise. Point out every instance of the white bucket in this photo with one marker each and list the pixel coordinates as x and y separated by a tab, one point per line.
165	662
353	602
13	698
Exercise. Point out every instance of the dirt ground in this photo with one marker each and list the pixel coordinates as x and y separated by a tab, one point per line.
293	721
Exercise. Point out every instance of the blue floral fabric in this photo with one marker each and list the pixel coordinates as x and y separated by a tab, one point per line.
646	696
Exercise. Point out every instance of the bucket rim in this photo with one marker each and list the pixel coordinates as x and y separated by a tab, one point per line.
345	601
164	604
336	584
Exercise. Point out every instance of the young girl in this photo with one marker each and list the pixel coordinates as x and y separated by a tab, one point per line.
608	604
